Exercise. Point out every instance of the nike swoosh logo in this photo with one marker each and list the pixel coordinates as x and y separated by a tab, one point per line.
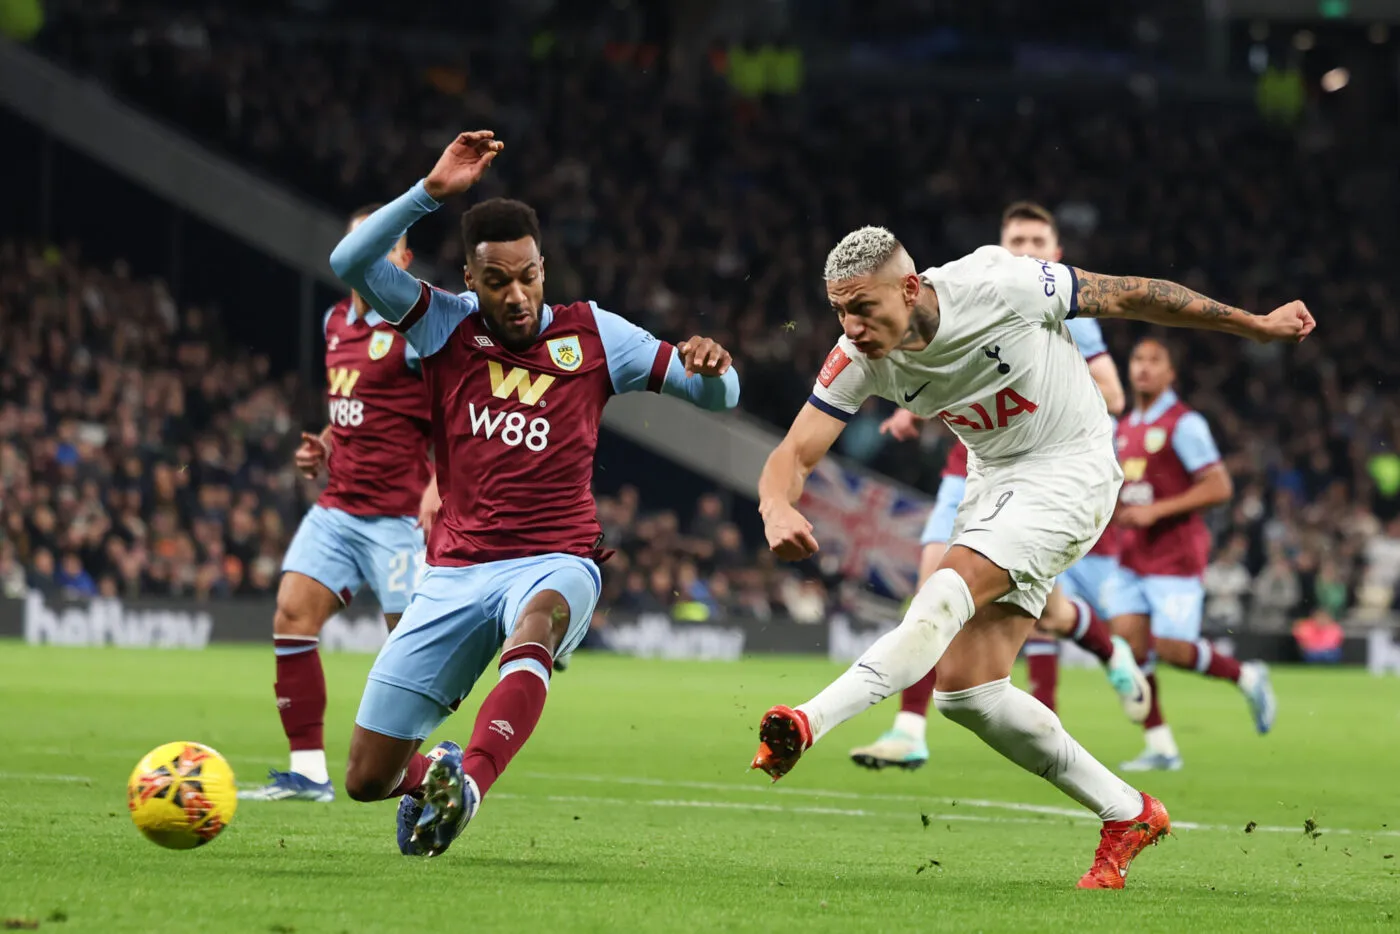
911	396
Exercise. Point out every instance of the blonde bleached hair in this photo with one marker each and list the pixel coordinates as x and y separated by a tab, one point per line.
860	253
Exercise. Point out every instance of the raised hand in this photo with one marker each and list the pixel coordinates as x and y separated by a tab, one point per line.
702	355
1291	322
462	163
311	455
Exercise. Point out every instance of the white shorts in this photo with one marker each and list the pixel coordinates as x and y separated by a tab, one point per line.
1037	517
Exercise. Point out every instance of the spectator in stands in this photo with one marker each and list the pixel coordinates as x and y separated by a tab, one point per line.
1228	584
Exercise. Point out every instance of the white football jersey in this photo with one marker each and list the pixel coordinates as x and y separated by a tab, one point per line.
1003	371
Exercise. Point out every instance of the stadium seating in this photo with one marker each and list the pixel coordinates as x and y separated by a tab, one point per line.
754	192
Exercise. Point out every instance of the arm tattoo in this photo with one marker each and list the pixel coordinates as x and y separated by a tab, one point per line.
1155	300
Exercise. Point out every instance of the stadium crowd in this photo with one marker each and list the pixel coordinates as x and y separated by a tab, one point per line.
700	208
141	455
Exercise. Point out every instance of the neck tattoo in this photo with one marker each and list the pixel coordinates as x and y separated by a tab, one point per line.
923	326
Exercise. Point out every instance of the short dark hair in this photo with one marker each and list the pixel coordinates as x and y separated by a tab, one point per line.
1162	342
499	220
1030	211
365	211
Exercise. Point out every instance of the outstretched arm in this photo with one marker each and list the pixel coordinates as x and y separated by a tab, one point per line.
361	260
785	474
1167	303
698	370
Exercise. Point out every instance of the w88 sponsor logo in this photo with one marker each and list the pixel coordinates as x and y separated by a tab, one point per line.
347	413
514	428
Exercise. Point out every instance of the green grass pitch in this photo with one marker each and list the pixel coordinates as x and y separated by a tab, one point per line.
631	810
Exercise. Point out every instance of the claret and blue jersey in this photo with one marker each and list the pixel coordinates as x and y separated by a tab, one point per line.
514	435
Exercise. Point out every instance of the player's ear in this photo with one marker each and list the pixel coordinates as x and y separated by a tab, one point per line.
912	285
467	278
407	257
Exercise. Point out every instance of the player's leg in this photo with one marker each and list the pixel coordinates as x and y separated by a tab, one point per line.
1132	620
319	576
548	606
448	635
975	691
905	744
389	553
1042	648
965	580
1180	603
1087	586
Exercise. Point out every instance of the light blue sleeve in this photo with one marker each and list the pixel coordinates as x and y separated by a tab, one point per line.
944	515
638	362
1088	336
424	315
1193	444
412	358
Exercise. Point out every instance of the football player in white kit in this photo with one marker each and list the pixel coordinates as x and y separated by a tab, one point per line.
981	344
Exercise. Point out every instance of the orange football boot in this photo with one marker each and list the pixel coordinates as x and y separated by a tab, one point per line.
1121	840
783	736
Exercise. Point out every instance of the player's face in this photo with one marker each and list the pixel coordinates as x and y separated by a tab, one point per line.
874	309
1025	236
508	279
1150	369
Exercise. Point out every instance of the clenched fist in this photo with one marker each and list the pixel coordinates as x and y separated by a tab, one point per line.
789	534
702	355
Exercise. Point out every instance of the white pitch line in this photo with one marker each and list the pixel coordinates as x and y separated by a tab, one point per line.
42	777
754	806
1016	806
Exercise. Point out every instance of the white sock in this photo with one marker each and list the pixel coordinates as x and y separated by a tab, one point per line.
311	763
1028	733
910	724
1249	676
1160	740
898	658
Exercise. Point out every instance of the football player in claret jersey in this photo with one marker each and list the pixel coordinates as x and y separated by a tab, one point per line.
1172	472
981	344
1074	609
362	529
517	392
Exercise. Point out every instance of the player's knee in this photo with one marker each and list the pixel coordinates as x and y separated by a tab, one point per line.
971	707
293	619
545	620
364	783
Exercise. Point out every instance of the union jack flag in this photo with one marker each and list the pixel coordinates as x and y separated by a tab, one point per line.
870	525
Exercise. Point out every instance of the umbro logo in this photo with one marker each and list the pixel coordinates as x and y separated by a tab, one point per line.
504	728
483	341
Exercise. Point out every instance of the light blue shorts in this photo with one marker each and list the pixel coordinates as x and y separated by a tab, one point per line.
1092	579
1174	604
456	623
939	527
345	552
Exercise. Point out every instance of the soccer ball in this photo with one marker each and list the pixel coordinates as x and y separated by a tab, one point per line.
181	795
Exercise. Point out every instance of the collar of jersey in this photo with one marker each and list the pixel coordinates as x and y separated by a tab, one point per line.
372	318
1156	411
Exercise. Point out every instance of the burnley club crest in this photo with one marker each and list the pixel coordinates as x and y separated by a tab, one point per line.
566	352
380	344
